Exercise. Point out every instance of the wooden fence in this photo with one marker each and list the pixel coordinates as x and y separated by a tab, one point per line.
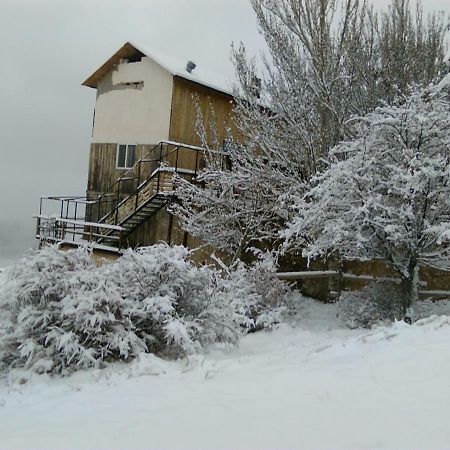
340	276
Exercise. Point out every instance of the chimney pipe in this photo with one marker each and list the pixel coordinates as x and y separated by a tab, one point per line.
190	66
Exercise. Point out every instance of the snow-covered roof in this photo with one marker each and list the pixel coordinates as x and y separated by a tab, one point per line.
174	66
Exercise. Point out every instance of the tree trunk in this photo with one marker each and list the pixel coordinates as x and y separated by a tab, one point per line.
410	286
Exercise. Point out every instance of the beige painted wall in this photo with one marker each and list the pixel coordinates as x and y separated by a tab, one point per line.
136	113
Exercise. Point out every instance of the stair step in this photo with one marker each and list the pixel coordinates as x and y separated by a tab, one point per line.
154	202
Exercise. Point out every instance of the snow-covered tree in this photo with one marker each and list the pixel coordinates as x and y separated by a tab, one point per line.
328	60
233	210
386	193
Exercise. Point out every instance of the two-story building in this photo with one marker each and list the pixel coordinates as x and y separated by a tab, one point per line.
145	129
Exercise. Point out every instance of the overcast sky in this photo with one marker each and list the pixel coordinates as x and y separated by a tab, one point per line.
49	47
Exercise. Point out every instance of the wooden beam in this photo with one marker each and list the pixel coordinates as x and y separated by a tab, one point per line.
317	274
308	274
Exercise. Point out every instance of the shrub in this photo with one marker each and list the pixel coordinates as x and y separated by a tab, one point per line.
377	302
61	312
257	296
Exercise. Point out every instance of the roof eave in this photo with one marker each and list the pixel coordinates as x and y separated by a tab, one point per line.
127	51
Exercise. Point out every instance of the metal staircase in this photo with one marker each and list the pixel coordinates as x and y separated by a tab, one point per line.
150	196
108	218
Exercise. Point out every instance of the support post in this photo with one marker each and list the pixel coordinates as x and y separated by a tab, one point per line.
38	227
75	218
339	281
116	216
99	202
196	163
138	184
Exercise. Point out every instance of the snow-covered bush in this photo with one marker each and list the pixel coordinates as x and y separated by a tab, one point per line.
375	303
427	307
61	312
254	295
266	295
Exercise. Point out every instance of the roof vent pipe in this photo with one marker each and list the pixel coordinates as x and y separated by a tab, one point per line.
190	66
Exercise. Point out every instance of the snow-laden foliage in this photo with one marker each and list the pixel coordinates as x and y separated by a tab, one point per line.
257	296
381	302
232	210
60	312
374	304
386	194
328	60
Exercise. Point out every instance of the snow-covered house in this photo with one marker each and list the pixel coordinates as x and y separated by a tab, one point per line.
144	97
145	129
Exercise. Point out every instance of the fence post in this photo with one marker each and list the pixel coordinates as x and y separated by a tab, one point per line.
196	163
340	278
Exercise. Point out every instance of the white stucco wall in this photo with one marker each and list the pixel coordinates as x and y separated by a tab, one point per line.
133	114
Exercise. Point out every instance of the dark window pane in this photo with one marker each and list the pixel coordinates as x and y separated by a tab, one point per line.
130	155
121	156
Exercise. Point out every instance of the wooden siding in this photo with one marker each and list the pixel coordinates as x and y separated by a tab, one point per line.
103	174
162	227
216	109
102	162
102	167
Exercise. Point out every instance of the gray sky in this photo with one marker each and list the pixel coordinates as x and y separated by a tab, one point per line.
49	47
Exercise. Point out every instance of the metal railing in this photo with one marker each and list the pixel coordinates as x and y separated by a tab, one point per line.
167	156
56	229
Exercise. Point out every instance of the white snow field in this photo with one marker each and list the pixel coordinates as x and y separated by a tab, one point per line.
309	385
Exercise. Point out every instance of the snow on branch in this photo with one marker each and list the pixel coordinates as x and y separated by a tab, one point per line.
390	198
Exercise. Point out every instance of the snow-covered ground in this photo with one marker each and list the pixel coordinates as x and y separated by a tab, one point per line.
309	385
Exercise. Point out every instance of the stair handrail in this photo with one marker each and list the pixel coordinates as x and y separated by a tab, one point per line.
141	185
156	173
144	183
175	144
110	189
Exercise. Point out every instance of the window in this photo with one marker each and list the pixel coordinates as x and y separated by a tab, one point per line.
125	156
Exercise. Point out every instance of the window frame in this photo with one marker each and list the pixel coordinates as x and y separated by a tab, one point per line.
127	146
